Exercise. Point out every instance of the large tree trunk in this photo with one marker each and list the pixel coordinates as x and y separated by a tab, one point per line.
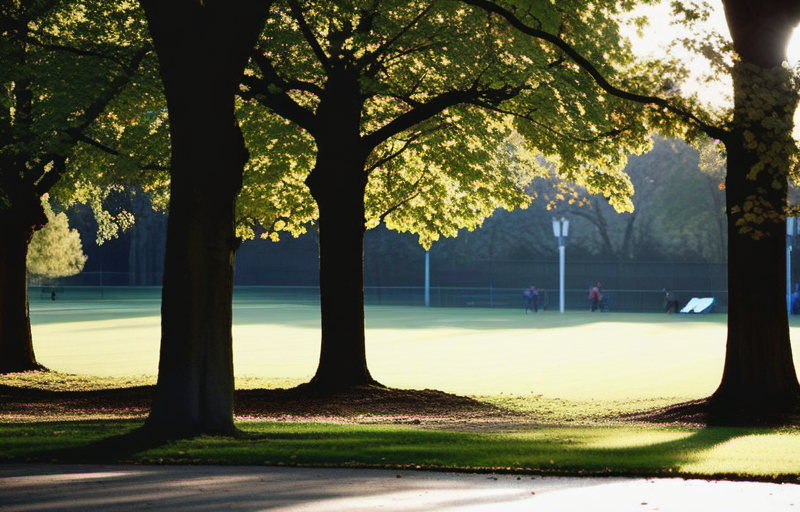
202	49
17	226
338	185
759	378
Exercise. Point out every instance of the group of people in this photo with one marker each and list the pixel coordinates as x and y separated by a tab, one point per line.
671	304
531	296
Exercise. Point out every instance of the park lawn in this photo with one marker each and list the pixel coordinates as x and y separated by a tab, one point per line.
636	450
468	351
556	367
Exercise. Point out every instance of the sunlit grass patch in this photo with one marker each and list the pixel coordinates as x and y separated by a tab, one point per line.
654	451
467	351
58	381
559	411
762	454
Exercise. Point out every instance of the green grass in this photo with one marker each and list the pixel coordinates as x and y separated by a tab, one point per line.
741	453
575	355
567	370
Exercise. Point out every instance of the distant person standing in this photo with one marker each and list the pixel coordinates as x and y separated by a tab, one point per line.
595	296
671	304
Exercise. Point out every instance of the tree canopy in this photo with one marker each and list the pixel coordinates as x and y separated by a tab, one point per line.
452	107
56	250
427	116
67	71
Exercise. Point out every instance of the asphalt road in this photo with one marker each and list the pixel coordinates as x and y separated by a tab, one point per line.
46	487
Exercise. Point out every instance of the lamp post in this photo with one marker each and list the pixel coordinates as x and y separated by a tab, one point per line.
561	230
791	231
427	278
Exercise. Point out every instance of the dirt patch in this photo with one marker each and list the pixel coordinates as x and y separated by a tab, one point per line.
365	405
691	412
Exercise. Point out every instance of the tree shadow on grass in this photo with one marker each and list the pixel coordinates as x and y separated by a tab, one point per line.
566	451
92	442
706	411
669	458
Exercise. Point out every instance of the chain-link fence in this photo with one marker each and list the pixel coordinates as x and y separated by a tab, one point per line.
438	296
627	285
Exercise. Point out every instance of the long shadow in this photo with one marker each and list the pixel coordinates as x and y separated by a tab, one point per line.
355	446
671	456
438	450
118	448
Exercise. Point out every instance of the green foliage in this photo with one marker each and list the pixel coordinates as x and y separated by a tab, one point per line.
766	100
81	110
274	194
456	179
451	106
679	209
55	250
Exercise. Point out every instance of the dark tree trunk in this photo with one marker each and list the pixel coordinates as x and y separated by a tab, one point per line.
759	378
338	183
759	375
17	226
202	49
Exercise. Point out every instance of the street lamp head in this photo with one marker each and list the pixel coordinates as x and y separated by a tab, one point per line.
560	227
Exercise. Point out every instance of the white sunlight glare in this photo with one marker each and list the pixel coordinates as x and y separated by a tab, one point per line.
793	51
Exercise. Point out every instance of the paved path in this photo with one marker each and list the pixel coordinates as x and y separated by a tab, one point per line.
45	487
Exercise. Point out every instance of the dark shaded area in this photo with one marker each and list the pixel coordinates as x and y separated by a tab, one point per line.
365	403
47	404
368	401
706	411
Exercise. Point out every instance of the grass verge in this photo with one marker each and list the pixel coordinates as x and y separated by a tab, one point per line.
732	453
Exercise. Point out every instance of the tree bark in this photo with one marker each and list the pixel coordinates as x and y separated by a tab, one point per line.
338	183
759	378
17	226
202	49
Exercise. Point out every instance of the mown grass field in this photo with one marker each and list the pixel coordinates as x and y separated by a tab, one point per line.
558	366
574	355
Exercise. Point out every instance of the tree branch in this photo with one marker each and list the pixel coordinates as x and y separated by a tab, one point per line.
94	110
400	203
423	111
49	178
75	51
610	133
279	102
372	57
271	76
308	34
406	144
600	80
